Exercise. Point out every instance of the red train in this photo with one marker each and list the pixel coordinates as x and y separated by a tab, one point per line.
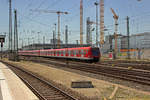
81	53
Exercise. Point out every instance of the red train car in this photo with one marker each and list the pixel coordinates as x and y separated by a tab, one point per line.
81	53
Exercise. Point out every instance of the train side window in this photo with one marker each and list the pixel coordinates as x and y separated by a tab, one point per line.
72	52
85	52
82	52
68	52
76	52
64	52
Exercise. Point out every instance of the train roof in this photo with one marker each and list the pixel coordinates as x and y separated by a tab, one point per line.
68	48
57	49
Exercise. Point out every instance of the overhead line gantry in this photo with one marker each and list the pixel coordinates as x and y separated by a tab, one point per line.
58	13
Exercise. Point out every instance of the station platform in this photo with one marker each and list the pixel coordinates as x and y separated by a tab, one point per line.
12	88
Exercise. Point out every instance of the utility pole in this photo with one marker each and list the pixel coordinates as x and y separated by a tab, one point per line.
54	40
128	37
77	42
54	37
58	13
88	30
43	39
55	33
81	22
66	42
58	30
15	37
22	43
43	42
38	38
96	4
66	36
101	22
10	27
33	40
28	41
32	43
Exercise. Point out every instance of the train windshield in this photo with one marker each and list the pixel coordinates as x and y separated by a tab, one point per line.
95	52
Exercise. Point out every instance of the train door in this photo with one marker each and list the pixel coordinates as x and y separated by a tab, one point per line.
61	53
54	53
72	53
58	53
66	52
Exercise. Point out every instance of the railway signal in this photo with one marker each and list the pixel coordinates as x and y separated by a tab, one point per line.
2	40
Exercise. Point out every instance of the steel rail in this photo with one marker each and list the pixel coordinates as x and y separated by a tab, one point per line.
116	72
41	97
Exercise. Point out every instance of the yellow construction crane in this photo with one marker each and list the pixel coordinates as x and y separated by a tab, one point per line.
58	13
116	29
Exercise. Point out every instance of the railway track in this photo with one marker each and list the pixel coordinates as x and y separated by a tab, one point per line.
140	66
138	76
42	89
126	61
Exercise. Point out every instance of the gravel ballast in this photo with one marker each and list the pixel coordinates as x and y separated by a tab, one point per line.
101	88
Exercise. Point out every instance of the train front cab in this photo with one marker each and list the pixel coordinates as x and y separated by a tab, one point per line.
95	54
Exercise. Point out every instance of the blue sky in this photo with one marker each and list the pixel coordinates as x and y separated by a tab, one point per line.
32	22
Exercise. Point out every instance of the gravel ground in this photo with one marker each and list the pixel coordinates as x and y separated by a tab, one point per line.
102	89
